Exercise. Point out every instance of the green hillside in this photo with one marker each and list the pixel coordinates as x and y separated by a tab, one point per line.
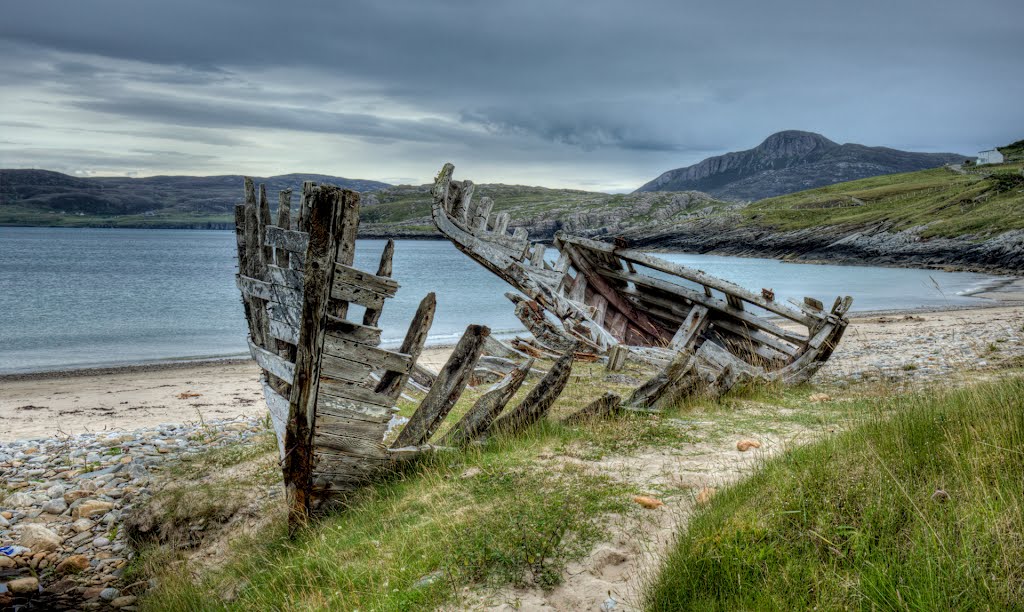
980	201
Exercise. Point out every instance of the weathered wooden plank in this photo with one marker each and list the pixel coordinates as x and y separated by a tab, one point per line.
266	291
478	419
372	315
284	331
757	336
696	276
286	314
285	277
272	362
326	206
480	216
340	329
539	400
353	293
263	212
537	257
617	357
347	444
376	358
347	407
679	377
710	302
305	197
603	407
349	427
344	369
501	223
450	383
392	382
372	282
277	406
284	220
695	322
347	390
293	241
462	195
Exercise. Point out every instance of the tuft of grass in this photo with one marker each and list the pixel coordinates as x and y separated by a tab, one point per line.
918	508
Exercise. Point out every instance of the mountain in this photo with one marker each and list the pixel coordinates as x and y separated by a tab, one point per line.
792	161
44	197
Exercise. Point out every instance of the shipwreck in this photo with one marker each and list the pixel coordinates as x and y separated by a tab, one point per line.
707	332
332	389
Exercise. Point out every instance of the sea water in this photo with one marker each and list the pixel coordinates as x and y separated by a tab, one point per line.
72	298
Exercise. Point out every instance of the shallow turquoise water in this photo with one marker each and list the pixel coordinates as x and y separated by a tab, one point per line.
92	297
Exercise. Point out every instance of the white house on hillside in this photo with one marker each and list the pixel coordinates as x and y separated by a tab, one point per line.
992	156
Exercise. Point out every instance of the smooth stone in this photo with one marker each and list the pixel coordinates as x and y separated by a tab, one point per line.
109	594
92	507
23	586
55	506
39	538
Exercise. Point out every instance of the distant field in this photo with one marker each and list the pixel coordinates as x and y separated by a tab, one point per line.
12	215
983	202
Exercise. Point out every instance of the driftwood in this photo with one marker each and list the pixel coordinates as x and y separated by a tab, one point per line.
602	296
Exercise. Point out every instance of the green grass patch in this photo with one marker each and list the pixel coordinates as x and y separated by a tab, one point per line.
857	520
986	201
411	543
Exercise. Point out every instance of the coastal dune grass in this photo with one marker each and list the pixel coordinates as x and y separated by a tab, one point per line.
920	507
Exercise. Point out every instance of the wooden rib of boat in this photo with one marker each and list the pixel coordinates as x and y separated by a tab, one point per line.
608	297
330	388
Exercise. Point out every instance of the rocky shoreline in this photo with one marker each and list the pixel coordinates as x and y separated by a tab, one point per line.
63	544
876	245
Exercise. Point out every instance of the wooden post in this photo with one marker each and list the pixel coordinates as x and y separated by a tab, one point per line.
284	221
617	357
330	209
447	389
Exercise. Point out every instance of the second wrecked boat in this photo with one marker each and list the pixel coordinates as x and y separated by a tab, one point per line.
617	300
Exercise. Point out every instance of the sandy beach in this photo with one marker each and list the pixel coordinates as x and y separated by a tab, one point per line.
915	344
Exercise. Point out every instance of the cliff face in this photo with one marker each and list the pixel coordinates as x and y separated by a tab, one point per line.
792	161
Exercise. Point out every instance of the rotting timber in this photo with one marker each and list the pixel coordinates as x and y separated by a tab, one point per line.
706	333
330	388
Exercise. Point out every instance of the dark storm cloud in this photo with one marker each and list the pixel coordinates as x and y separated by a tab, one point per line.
661	82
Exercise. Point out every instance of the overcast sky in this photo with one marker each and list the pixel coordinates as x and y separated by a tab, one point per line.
586	93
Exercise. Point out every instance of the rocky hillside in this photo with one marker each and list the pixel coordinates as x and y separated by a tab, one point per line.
405	211
43	197
792	161
970	218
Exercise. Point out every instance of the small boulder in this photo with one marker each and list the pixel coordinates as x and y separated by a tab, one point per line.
7	562
82	525
92	507
745	445
23	586
820	397
55	506
124	601
73	496
109	594
19	500
73	564
39	538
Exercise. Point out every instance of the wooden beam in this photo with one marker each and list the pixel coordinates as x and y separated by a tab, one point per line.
605	406
326	215
478	419
539	400
392	382
696	276
450	383
695	322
